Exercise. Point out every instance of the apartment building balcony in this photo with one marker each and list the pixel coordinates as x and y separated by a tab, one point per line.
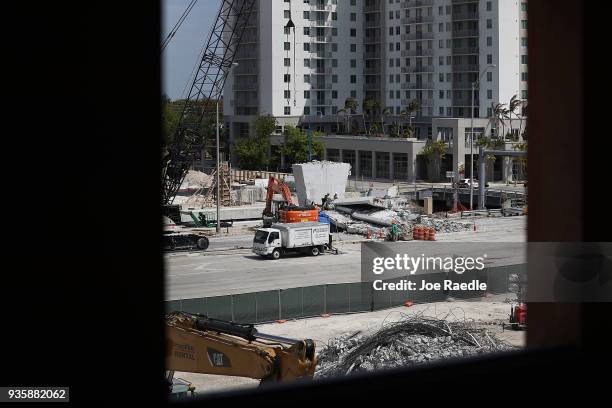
465	50
416	3
321	71
465	102
422	68
372	71
372	55
462	85
320	87
372	39
321	7
464	1
321	38
372	24
319	102
320	23
417	36
466	33
372	87
245	70
466	15
426	102
245	85
418	85
466	68
417	53
321	55
417	20
375	8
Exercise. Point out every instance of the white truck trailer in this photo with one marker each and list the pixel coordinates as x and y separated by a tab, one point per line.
306	237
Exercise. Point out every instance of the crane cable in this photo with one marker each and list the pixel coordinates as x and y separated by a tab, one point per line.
178	24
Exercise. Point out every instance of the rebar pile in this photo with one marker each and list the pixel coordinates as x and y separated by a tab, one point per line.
414	340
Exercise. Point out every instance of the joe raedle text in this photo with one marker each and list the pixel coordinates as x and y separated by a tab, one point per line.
424	266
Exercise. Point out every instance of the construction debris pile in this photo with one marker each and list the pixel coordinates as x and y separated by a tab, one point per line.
413	340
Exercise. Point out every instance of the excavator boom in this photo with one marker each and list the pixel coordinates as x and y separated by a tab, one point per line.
197	344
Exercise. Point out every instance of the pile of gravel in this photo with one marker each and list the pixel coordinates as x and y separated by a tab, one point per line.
414	340
443	224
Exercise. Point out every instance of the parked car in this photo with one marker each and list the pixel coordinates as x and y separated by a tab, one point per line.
465	183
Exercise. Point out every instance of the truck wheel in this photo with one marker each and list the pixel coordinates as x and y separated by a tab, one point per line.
314	251
202	243
275	254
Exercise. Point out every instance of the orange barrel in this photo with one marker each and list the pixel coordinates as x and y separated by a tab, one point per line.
418	233
415	233
432	234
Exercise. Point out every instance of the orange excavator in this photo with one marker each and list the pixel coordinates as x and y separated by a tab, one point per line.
288	212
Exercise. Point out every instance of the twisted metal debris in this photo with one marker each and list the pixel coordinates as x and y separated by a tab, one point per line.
413	340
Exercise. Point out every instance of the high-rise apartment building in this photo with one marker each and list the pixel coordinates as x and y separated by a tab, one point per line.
387	51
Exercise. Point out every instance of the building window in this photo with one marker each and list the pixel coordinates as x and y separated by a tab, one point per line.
524	24
524	94
353	32
489	76
287	62
353	16
307	63
306	30
353	63
489	23
353	47
524	7
307	79
287	110
306	110
306	46
334	94
306	94
287	78
489	6
524	76
287	94
287	14
306	15
524	41
353	79
524	59
489	94
288	46
489	41
489	58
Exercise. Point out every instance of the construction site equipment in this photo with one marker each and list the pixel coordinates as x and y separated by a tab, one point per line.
306	237
176	237
205	93
198	344
518	316
288	212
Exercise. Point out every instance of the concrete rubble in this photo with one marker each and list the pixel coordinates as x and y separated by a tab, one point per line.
411	341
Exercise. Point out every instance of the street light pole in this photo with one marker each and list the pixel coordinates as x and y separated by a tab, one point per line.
474	83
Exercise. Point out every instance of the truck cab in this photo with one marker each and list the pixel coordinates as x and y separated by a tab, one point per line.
266	240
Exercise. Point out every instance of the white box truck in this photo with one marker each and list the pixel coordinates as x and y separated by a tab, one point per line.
307	237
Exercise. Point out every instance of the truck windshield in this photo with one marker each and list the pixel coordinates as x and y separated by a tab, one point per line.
260	237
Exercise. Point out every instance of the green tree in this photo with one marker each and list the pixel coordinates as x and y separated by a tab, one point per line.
170	120
296	146
434	152
252	152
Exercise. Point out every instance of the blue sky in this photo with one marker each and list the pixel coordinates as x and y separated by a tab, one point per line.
180	57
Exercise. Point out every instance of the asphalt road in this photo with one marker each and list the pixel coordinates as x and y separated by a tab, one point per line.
221	270
213	273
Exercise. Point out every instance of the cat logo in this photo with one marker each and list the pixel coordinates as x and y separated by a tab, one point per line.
217	358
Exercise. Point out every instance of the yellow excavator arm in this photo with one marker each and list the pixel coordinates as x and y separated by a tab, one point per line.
198	344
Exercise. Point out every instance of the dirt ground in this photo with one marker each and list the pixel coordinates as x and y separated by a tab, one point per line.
490	311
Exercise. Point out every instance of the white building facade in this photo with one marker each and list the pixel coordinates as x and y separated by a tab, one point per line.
389	51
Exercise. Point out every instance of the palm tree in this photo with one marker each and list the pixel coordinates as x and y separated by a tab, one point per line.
498	114
523	106
351	105
338	112
385	112
514	104
368	106
413	106
435	152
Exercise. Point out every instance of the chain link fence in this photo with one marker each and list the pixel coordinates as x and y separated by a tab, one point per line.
312	301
